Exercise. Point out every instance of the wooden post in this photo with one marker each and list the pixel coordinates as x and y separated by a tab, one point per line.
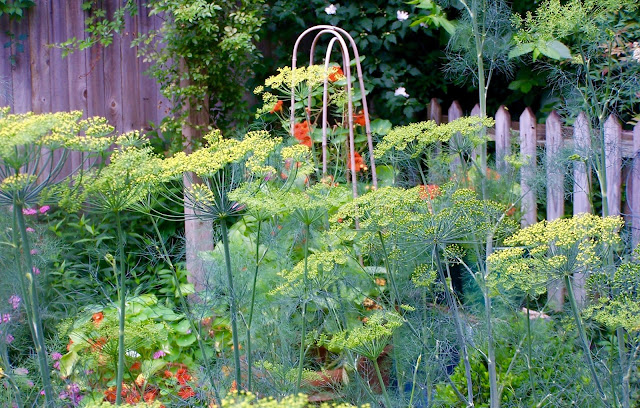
476	112
503	139
555	193
435	111
6	82
528	152
581	192
454	112
581	171
613	162
634	191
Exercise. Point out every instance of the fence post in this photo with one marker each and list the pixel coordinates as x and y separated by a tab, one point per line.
503	138
435	111
474	153
613	163
581	171
528	152
634	194
581	189
454	112
555	192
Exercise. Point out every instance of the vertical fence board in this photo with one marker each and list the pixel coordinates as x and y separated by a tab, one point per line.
555	192
528	152
130	102
39	58
6	82
613	162
148	86
503	138
633	196
476	112
581	172
113	77
21	68
435	111
454	112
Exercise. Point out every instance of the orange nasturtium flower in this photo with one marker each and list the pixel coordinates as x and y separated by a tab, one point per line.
301	132
97	318
186	392
277	107
335	73
358	119
360	165
429	191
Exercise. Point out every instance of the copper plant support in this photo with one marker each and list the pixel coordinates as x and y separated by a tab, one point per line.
339	35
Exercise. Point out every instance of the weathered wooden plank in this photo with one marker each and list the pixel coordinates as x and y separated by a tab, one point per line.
633	196
555	174
613	162
21	67
555	192
476	112
503	138
148	86
435	111
581	171
130	101
113	76
6	81
528	152
59	68
39	57
454	112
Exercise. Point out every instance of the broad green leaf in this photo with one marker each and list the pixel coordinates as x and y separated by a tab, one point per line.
521	49
559	48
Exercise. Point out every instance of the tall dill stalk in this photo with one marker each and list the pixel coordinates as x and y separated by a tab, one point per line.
304	308
121	311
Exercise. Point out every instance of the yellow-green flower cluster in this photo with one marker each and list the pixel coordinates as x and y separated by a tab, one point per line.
370	339
17	182
419	136
298	155
319	265
309	75
205	162
249	400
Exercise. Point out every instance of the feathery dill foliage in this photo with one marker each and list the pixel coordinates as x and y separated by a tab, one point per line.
416	137
247	400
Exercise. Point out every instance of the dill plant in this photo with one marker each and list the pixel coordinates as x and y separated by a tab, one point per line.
28	166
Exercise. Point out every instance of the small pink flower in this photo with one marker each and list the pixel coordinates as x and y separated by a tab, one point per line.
56	365
6	318
44	209
10	338
33	252
14	301
159	354
36	271
56	356
29	229
42	392
29	211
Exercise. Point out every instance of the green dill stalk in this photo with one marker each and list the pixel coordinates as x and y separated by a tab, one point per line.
384	389
451	302
232	302
415	375
33	306
185	306
304	309
121	314
529	368
583	340
253	301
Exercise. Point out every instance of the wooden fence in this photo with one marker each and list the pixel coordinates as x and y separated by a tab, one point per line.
100	81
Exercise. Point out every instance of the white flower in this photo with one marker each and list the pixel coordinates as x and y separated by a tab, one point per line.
331	9
401	92
132	354
402	15
636	52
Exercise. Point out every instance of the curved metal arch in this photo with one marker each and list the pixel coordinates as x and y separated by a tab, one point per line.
339	36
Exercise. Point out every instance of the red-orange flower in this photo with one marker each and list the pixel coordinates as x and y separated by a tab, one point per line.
186	392
110	394
301	132
360	165
168	374
97	318
277	107
150	396
429	191
335	73
98	344
135	366
69	344
358	119
182	375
